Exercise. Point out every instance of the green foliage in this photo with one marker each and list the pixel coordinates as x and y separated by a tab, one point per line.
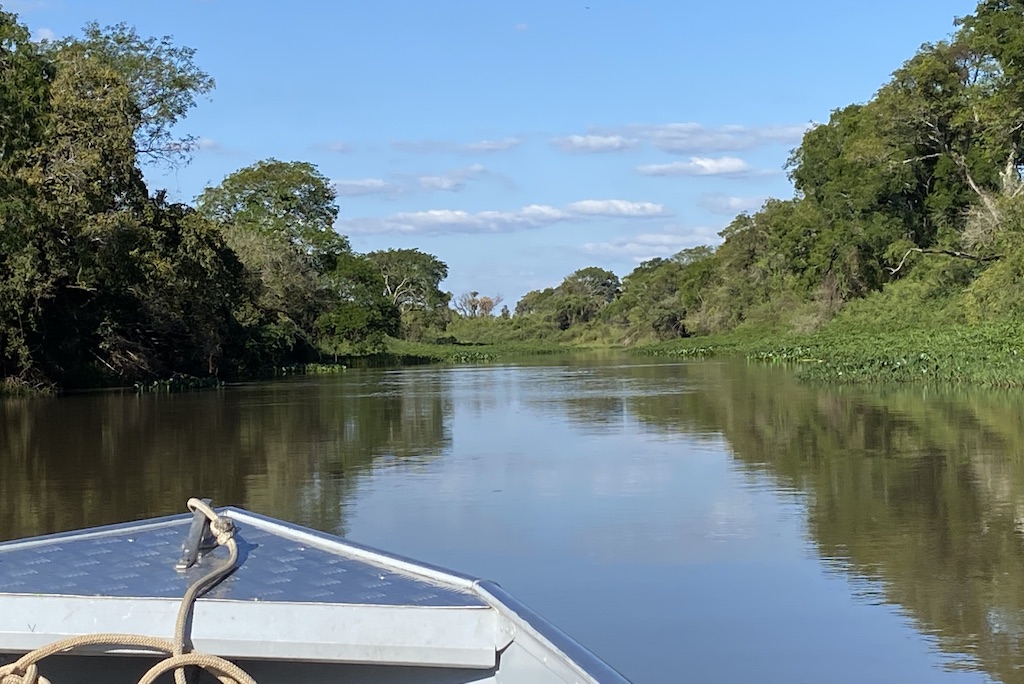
177	383
101	283
411	282
162	79
908	217
991	354
400	350
363	316
579	299
652	304
315	294
25	77
291	203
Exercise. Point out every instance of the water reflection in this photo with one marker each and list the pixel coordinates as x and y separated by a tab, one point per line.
708	479
918	494
288	447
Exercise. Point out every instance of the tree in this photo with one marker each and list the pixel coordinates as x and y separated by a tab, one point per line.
578	299
86	196
592	283
25	81
101	282
187	303
583	294
487	305
411	282
289	201
25	78
472	305
162	78
411	277
534	301
363	315
279	218
467	304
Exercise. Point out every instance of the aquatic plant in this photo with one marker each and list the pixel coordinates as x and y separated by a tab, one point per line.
990	354
178	383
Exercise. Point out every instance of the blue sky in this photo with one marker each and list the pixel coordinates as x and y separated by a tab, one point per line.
520	141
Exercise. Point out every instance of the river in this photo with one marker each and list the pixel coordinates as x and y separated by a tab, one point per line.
714	521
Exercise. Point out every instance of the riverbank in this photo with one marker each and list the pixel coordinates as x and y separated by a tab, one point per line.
408	353
398	353
990	354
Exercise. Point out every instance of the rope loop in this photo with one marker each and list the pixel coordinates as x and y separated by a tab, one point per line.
222	526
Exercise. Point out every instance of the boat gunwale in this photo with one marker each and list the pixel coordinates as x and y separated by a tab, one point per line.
581	660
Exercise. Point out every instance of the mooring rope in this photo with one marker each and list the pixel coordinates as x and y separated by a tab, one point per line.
26	671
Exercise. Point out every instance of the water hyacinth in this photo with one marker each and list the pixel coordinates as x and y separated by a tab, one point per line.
989	354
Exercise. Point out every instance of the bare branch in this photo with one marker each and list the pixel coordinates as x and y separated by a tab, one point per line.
917	159
981	258
986	198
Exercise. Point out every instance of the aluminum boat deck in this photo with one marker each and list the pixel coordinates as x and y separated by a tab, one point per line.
297	596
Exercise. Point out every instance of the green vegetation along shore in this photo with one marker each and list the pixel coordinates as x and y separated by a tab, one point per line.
988	355
900	256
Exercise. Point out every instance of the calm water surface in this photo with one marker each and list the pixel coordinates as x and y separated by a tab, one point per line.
689	522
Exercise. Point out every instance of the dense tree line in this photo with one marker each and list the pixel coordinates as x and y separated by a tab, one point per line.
103	281
909	207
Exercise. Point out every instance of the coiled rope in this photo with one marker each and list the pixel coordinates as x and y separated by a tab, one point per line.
25	670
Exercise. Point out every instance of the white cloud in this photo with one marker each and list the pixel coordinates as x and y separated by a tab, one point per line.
618	208
522	27
728	205
365	186
594	143
698	166
443	221
453	181
646	246
442	183
695	138
43	34
433	146
447	221
493	145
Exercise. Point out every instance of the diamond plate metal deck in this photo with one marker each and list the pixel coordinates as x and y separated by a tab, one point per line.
298	596
278	563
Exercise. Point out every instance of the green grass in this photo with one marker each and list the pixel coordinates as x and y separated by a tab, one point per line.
418	352
990	354
311	369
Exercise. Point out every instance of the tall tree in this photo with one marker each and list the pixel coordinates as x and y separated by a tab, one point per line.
289	201
412	282
579	298
86	193
363	316
279	218
163	79
25	81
